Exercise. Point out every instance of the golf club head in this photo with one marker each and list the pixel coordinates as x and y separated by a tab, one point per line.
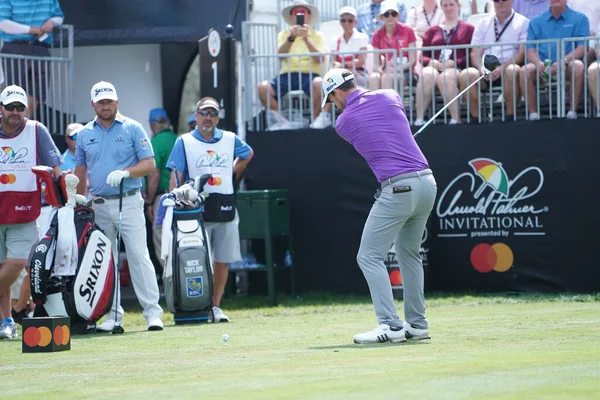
118	330
490	62
201	181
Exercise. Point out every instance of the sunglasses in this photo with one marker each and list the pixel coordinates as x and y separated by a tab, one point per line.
344	20
19	108
387	14
500	1
73	137
204	113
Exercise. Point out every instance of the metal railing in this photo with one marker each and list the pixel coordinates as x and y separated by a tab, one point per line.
591	74
48	80
549	100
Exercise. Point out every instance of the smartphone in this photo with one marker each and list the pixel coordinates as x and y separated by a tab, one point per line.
300	19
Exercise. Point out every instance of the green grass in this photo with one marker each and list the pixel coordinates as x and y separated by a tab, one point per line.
483	347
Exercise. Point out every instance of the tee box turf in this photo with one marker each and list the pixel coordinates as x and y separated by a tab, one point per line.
46	334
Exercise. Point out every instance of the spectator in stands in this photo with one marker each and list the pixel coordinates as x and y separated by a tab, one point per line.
531	8
69	154
368	16
487	9
506	26
421	18
591	9
558	22
163	140
26	29
192	122
442	67
392	35
594	76
350	40
296	72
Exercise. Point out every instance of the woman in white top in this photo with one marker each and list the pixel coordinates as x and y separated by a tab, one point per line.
424	17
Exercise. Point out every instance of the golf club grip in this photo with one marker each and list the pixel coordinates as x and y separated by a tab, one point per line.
448	104
121	195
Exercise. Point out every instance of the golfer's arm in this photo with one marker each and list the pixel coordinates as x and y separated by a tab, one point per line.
82	186
142	168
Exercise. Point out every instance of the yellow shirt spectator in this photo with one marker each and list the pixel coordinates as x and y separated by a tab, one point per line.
301	64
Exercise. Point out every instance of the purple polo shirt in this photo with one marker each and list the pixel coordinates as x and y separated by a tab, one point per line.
375	124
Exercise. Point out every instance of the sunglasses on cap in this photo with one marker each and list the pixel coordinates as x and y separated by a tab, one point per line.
344	20
204	113
19	108
387	14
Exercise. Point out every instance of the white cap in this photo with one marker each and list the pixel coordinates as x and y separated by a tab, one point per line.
332	80
103	91
388	5
348	10
13	93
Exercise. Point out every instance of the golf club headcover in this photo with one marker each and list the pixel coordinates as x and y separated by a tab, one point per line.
52	193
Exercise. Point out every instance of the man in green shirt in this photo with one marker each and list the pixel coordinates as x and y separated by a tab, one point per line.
163	140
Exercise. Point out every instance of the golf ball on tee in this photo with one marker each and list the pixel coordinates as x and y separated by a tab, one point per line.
225	337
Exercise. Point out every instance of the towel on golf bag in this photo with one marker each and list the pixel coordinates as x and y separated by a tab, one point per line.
66	257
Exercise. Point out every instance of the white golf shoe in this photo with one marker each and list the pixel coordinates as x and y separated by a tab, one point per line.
219	315
414	333
383	333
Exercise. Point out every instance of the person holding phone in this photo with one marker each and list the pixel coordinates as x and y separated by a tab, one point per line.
296	73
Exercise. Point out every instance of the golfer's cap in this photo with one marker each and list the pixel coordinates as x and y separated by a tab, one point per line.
192	118
207	102
158	115
73	128
348	10
103	91
13	93
334	79
388	5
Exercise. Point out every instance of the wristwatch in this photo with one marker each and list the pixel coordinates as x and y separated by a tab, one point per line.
291	39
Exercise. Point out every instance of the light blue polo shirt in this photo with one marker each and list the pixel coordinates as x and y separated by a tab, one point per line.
177	158
569	24
68	161
102	151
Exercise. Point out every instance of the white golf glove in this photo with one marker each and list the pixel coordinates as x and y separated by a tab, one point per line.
115	177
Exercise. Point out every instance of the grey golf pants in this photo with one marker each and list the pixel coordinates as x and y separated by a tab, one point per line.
398	216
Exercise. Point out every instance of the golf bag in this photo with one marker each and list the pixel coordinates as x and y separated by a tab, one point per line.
188	274
86	295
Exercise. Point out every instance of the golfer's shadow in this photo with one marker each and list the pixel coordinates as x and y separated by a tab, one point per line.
370	345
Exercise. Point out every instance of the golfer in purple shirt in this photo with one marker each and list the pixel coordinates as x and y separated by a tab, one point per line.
375	124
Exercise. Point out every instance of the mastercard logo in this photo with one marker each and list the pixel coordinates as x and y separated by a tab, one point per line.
496	257
42	336
216	181
8	179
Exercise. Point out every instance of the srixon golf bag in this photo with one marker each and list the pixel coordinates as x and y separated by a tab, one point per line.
188	275
86	295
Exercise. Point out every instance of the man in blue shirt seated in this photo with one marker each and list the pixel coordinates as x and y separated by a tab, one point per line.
367	16
222	154
559	22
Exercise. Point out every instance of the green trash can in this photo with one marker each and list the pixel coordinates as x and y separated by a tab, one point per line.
265	214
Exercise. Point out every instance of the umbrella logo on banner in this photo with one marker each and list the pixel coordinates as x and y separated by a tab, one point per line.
493	175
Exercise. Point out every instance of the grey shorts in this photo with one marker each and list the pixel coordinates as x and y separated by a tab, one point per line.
225	240
15	289
16	240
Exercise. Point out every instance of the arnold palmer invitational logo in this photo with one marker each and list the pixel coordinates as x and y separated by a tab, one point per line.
485	202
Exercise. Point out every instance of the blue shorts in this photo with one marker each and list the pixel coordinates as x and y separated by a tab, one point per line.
289	82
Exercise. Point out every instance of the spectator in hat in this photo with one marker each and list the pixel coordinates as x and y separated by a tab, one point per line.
350	40
296	72
163	140
368	20
71	140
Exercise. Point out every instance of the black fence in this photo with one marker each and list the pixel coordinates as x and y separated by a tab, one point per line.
516	207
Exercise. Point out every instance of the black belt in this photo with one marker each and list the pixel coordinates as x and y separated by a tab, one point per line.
396	178
30	43
100	199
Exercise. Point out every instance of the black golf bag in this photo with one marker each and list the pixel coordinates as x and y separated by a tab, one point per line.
188	274
85	296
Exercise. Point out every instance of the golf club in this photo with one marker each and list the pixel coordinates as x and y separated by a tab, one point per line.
118	329
489	63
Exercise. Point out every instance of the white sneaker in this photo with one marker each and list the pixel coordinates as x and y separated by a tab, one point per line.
453	122
419	122
322	121
218	315
534	117
571	115
8	329
155	324
383	333
107	326
281	126
414	333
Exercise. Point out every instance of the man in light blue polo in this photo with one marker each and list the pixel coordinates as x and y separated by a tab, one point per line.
109	149
71	140
375	123
559	22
